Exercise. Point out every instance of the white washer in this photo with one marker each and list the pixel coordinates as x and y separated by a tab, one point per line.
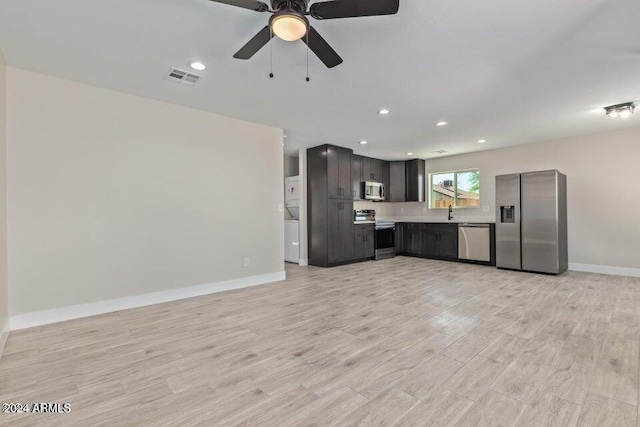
292	241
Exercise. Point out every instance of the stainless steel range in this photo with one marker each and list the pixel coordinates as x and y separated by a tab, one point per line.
385	237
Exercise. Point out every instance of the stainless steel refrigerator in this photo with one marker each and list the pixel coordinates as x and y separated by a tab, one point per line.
531	223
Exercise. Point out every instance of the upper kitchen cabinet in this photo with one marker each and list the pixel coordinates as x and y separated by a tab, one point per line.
396	188
372	169
338	172
356	177
415	180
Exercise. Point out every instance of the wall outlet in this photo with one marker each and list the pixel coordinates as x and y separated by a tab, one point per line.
486	209
280	207
247	262
401	210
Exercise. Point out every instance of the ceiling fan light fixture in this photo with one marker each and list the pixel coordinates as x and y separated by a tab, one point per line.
620	110
289	25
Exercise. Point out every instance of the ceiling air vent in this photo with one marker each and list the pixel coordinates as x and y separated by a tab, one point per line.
440	151
182	77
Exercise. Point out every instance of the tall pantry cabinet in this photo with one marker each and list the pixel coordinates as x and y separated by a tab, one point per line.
330	205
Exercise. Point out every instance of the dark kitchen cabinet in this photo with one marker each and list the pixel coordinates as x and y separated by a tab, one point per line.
385	178
428	240
356	177
364	244
415	176
340	245
339	165
330	205
396	188
400	237
448	244
416	242
372	169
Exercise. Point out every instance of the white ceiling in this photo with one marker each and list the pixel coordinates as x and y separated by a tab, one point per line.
507	71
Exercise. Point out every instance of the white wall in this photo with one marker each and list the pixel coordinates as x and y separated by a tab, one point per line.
112	195
603	185
4	290
291	166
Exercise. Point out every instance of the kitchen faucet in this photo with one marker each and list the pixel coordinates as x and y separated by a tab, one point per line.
450	213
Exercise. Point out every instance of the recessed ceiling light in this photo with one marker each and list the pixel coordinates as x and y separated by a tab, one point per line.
383	112
198	66
409	154
442	123
363	142
482	141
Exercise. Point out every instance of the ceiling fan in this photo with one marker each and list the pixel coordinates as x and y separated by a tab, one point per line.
289	22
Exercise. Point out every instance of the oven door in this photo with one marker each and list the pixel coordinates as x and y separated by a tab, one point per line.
385	242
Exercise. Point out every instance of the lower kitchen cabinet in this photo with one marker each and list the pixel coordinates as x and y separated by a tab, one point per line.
402	229
448	241
364	243
428	240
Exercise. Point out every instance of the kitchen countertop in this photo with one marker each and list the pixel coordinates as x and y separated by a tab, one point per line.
424	221
429	221
442	221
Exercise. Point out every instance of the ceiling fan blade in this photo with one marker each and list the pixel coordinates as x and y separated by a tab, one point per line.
258	6
255	44
321	48
353	8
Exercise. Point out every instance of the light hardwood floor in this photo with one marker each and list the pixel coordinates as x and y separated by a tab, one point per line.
407	342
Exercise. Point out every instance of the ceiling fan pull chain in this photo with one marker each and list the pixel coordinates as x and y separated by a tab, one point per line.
270	52
308	79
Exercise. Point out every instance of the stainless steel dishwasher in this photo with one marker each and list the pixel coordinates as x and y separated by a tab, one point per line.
474	242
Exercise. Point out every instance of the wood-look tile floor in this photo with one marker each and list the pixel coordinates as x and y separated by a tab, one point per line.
407	342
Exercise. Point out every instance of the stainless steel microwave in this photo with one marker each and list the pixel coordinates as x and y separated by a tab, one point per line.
374	191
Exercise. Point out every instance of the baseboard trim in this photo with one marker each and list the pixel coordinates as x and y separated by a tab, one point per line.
45	317
4	335
605	269
303	262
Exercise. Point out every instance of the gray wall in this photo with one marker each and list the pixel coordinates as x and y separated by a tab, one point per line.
112	195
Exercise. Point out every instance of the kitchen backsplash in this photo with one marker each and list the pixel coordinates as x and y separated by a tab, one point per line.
383	210
420	211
